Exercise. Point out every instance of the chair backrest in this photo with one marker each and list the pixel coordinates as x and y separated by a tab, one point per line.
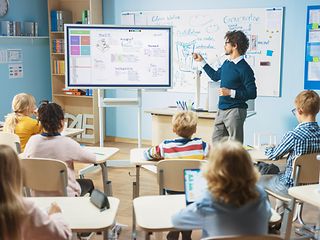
245	237
45	175
306	169
170	173
11	140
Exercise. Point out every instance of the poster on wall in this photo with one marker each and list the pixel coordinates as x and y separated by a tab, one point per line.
203	31
15	70
3	56
14	55
312	49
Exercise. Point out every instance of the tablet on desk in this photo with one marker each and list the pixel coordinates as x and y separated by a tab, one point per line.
194	185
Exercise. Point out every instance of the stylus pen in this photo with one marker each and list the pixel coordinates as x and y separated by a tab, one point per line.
101	154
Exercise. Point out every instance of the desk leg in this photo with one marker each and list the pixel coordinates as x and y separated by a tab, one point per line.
147	235
106	183
135	194
137	181
134	228
286	224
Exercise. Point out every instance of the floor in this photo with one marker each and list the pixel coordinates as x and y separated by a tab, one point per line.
122	179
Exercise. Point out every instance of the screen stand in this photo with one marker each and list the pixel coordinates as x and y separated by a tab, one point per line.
114	102
119	102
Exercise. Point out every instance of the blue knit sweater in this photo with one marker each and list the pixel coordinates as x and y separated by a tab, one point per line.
239	77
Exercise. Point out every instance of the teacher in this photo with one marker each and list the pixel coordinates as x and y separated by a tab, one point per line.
237	85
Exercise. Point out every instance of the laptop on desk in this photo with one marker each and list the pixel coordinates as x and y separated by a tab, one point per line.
194	185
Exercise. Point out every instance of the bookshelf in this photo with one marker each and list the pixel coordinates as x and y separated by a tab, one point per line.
72	104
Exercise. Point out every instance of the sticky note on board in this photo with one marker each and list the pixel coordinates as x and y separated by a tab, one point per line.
315	59
265	63
309	58
315	25
269	53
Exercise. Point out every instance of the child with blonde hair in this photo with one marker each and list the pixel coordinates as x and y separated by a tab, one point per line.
20	218
184	124
304	139
20	121
232	204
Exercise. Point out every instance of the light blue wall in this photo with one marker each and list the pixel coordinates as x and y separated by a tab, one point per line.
36	79
273	113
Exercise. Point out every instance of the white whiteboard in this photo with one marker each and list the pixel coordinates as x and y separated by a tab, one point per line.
203	31
102	56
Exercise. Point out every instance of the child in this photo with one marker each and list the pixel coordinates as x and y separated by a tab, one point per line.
50	144
20	218
232	204
20	121
304	139
184	125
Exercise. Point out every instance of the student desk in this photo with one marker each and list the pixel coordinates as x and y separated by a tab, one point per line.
153	213
81	214
71	132
308	194
137	159
162	126
68	132
102	155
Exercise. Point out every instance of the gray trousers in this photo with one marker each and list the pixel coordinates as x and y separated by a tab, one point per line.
229	123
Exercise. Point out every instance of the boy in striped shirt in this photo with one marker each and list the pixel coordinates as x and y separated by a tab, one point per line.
184	125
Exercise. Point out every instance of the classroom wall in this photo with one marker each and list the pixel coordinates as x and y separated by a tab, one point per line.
273	113
36	66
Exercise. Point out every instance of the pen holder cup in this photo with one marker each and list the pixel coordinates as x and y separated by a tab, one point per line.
263	139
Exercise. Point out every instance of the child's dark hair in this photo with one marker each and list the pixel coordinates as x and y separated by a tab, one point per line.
50	116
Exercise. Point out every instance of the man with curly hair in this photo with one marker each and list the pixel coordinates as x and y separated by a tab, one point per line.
237	86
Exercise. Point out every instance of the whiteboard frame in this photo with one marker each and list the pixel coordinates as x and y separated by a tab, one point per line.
67	27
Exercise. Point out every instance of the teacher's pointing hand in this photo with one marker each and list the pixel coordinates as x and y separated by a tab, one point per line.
197	57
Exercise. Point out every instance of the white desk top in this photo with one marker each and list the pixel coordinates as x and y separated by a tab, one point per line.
103	153
152	219
172	111
153	213
309	194
137	158
258	155
80	213
71	132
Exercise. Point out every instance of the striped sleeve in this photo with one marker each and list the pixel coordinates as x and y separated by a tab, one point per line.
286	144
153	153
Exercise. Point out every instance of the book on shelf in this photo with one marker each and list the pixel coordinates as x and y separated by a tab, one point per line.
58	45
59	18
58	67
78	92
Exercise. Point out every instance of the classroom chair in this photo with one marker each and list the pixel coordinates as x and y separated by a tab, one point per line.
245	237
305	171
170	173
11	140
43	174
